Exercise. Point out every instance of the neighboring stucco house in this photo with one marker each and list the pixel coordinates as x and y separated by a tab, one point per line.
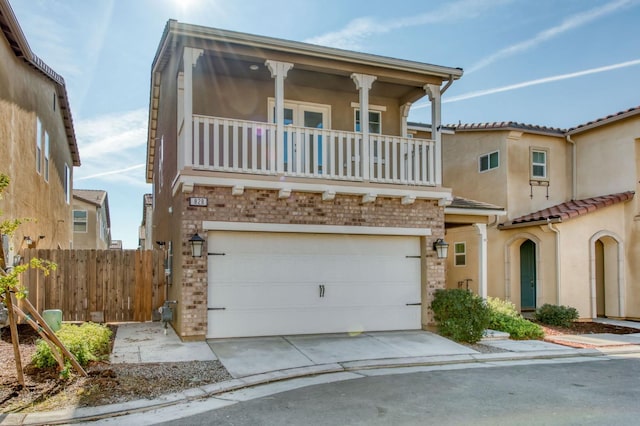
91	219
315	218
38	147
145	231
571	234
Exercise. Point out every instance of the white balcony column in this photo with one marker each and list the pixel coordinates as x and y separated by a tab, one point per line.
404	116
279	72
363	84
190	59
433	91
482	259
180	120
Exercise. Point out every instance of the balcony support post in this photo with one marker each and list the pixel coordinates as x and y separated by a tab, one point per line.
404	115
363	84
279	72
433	91
190	59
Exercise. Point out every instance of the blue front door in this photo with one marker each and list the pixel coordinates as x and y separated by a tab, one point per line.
528	275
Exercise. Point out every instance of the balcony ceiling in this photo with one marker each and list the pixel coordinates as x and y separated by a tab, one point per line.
305	75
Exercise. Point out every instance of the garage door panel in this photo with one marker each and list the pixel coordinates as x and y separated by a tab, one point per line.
270	283
334	320
266	294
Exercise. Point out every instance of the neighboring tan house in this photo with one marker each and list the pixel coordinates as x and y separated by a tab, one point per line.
145	236
256	146
38	147
91	219
571	234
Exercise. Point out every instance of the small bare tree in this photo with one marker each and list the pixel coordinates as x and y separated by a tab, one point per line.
10	278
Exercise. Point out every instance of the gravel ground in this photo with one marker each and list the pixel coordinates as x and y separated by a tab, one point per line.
106	384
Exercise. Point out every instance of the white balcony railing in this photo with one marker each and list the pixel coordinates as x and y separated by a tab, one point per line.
221	144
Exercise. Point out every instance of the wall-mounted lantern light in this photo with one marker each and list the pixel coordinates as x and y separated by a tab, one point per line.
28	241
441	247
196	245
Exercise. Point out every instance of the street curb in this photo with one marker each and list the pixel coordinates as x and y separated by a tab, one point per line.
115	410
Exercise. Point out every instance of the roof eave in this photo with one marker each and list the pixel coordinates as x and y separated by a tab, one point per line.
504	227
474	212
603	122
26	54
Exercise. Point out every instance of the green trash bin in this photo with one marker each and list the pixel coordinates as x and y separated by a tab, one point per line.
53	318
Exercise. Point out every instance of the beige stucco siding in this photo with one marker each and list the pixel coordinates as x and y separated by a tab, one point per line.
460	156
25	96
524	195
607	158
575	250
456	276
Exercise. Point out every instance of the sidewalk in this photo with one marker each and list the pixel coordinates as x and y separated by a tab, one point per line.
325	358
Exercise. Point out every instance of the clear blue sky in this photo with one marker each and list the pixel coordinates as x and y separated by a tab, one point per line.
548	62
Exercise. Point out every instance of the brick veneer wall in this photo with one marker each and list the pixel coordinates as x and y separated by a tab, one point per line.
264	206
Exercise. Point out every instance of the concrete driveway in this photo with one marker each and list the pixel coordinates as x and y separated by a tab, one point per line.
247	356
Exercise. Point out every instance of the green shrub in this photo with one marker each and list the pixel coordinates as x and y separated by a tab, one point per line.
561	316
460	314
87	342
503	316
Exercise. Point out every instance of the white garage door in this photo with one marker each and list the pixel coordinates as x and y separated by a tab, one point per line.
263	284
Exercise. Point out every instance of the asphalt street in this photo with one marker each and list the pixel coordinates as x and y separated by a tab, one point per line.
605	392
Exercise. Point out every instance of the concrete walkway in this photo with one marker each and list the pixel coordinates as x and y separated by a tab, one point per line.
147	342
262	366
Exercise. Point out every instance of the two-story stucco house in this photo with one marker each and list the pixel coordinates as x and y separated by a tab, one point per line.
292	162
37	143
91	219
570	236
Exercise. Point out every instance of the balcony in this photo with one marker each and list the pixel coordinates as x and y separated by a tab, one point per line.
227	145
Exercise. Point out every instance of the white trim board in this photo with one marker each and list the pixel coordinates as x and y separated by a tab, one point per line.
320	187
313	229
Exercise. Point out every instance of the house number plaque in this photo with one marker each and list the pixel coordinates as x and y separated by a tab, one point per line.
198	201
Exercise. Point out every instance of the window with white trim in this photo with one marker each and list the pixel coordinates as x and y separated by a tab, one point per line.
539	164
46	156
375	121
80	221
160	163
489	161
38	146
67	184
460	251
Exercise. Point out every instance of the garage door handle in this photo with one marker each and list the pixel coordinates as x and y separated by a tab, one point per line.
414	304
216	309
321	286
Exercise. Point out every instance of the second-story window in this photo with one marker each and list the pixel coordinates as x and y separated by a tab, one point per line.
539	164
46	156
79	221
38	146
67	184
375	121
489	161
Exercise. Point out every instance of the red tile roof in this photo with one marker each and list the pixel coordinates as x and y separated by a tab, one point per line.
508	125
609	118
569	210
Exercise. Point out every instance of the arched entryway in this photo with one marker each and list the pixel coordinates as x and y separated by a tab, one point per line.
528	278
607	283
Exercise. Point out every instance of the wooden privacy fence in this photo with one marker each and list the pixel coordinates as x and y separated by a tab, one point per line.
98	285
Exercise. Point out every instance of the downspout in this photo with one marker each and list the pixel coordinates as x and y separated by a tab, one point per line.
574	171
558	264
446	86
